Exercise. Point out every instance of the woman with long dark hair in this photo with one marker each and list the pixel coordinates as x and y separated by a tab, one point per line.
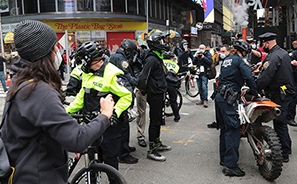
37	131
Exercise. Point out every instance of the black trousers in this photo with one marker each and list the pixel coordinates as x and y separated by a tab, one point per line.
110	146
292	108
173	96
281	127
125	139
156	102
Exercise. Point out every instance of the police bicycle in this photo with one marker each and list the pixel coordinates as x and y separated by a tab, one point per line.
94	171
190	76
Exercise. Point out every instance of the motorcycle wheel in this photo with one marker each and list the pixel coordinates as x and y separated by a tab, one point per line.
270	161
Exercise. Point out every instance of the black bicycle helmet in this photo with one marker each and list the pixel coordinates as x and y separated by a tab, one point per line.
156	42
242	45
129	45
86	53
168	55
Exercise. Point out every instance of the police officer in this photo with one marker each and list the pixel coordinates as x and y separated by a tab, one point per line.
278	83
99	79
234	72
173	82
74	84
153	82
292	105
123	59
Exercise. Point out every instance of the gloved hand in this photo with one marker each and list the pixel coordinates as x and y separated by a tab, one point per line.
114	120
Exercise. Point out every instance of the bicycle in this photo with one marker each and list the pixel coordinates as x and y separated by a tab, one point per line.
190	76
94	172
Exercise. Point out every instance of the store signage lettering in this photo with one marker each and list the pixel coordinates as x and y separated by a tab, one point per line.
100	26
255	3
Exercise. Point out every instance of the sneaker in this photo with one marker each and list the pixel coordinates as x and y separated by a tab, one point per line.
162	147
128	159
205	104
199	103
154	155
233	171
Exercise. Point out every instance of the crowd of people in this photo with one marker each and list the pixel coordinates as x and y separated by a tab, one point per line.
113	84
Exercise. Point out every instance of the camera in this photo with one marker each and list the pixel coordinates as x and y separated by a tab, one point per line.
200	54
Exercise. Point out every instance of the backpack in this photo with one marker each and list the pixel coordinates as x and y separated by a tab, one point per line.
210	71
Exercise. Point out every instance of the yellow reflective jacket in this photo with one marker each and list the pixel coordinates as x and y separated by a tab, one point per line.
171	65
109	82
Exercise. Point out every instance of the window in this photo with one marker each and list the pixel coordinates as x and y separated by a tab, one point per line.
47	6
103	5
142	7
119	6
66	5
30	6
132	6
85	5
157	7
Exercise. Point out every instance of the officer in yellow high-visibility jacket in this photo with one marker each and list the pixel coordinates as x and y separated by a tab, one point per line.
98	80
75	81
173	82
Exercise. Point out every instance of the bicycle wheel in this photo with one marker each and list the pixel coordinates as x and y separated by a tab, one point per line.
191	86
100	175
168	109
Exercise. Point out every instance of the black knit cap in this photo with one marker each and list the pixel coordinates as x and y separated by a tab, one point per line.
34	39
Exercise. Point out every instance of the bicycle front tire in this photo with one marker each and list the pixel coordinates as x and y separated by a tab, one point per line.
101	172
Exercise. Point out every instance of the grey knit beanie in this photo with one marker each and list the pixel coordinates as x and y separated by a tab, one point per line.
34	39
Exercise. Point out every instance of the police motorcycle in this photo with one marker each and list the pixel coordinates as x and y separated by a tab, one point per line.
253	113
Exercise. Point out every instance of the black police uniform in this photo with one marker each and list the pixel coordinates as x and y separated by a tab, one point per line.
120	60
234	71
277	72
292	105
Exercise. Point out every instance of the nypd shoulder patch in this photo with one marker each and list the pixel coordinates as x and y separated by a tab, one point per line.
125	64
266	64
121	81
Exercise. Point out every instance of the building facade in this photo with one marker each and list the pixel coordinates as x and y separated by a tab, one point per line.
105	21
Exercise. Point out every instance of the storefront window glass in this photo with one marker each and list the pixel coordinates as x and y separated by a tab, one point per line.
47	6
132	6
66	5
153	8
119	6
157	9
103	5
14	10
30	6
142	7
84	5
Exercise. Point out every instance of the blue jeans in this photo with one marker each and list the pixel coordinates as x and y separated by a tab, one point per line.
202	83
2	78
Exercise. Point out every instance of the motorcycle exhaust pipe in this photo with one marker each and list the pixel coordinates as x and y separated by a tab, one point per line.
272	114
